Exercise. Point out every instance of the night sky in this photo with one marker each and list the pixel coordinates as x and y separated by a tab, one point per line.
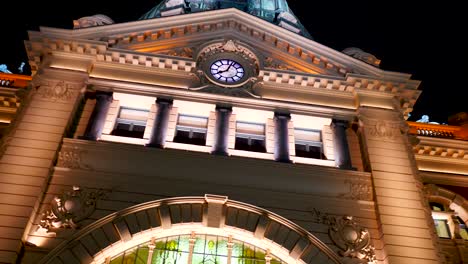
422	39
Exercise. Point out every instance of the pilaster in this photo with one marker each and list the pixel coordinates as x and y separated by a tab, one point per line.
406	225
30	154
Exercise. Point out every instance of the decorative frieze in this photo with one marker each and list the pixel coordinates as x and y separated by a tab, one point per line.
358	190
72	158
380	129
69	209
444	152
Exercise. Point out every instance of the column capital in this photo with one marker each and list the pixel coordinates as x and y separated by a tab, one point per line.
224	108
104	95
162	100
339	122
282	115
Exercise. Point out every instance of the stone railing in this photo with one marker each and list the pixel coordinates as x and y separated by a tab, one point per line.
438	131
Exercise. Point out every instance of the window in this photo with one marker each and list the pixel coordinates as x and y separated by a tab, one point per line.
463	228
206	249
191	130
308	143
442	228
130	123
437	207
250	137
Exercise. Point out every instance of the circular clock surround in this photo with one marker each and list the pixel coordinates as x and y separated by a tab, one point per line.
228	69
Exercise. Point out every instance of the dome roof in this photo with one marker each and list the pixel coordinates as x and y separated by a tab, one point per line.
274	11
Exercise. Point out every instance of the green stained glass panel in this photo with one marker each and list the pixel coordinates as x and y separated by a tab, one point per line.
210	246
158	257
129	257
198	259
199	246
237	250
184	244
161	244
117	260
221	249
142	255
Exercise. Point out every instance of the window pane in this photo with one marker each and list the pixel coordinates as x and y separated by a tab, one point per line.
442	228
307	135
133	114
191	130
250	128
193	121
130	123
436	206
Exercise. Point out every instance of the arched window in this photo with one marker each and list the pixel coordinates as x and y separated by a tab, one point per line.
199	249
438	207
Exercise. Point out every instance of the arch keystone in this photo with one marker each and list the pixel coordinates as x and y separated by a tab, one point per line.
214	214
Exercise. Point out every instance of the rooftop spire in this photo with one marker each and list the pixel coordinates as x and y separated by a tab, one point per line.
273	11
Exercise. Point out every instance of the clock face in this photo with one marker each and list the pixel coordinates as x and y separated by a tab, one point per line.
227	71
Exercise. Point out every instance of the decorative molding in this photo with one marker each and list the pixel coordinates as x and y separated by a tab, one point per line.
277	65
57	91
362	56
445	152
72	158
379	129
228	46
358	190
184	52
353	240
69	209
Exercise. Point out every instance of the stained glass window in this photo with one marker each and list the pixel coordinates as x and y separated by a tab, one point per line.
207	249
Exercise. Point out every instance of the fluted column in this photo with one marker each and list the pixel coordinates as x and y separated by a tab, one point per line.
342	156
98	117
221	137
281	137
159	131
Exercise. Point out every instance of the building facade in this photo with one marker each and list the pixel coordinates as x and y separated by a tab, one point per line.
219	131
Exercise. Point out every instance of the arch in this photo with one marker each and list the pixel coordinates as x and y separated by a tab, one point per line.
211	214
450	199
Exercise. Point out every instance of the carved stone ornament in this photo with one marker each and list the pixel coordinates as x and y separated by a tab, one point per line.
358	190
72	158
69	209
179	52
57	91
353	240
275	64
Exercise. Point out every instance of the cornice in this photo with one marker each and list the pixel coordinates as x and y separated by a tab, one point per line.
444	143
444	179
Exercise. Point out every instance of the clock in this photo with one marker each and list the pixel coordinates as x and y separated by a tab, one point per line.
227	71
227	64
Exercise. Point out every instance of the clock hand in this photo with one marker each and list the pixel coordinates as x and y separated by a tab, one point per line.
232	63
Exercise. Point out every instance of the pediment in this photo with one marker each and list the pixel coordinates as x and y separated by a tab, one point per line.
165	47
177	35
